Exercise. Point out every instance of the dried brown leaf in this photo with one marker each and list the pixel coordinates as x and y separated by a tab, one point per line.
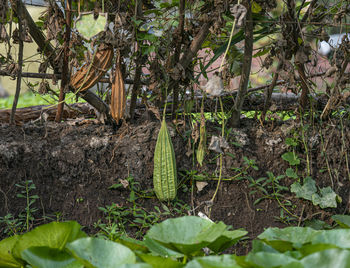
118	97
90	74
43	87
43	67
125	183
200	185
3	34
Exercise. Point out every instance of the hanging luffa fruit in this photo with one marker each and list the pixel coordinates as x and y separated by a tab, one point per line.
203	138
164	172
88	75
118	98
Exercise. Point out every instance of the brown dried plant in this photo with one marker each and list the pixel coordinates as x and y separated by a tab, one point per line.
88	75
118	98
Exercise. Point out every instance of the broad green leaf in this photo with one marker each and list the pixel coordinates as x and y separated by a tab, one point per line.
317	224
291	173
226	240
6	258
135	265
53	235
337	237
99	253
308	249
133	244
88	26
288	238
295	264
260	246
186	234
269	259
342	220
306	190
291	158
336	258
296	254
223	261
160	262
326	199
291	142
45	257
157	248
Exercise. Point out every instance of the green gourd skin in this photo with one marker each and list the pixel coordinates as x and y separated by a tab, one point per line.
164	172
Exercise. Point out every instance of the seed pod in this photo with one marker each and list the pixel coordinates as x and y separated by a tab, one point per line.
90	74
118	98
164	172
202	140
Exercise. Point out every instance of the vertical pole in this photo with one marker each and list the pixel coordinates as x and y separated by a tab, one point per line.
65	69
20	63
138	62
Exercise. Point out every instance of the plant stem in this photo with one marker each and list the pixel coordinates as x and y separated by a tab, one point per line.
247	62
344	146
221	155
229	41
327	163
20	63
278	200
305	146
65	69
28	209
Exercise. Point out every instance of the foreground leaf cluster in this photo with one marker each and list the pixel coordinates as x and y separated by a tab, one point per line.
180	242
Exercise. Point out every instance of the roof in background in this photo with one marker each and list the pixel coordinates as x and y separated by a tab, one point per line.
35	2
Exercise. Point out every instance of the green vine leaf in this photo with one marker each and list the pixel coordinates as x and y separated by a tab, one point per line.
306	190
291	158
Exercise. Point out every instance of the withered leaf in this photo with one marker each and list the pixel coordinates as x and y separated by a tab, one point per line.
3	34
200	185
43	87
125	183
118	97
239	11
43	67
88	75
154	110
15	36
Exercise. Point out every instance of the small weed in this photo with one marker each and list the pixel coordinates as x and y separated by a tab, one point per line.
118	220
285	218
25	219
116	217
12	225
271	188
26	188
292	158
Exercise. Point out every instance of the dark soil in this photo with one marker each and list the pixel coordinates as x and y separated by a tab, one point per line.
73	164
